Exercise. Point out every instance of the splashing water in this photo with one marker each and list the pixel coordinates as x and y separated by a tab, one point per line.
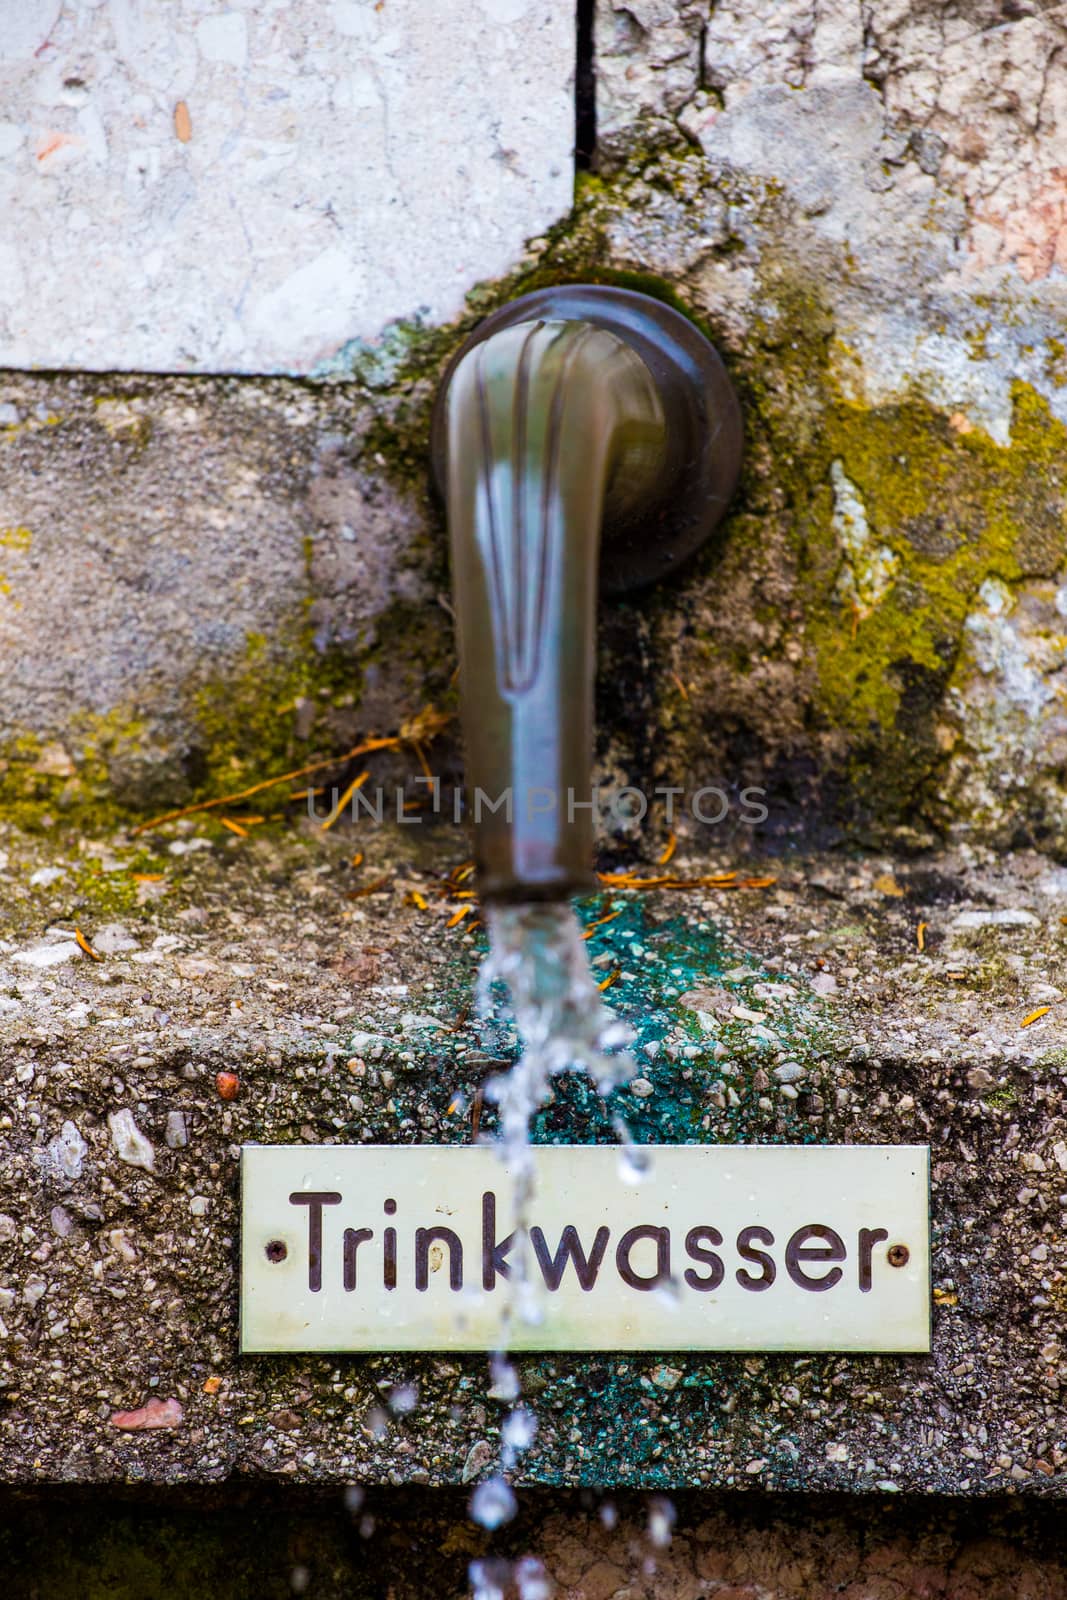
538	952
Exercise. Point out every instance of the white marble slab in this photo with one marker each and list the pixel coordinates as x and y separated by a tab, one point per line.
189	186
719	1247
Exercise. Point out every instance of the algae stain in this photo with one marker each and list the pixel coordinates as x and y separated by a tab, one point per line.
663	964
952	509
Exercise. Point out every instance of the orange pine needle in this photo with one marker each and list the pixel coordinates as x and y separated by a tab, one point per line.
268	783
1042	1011
357	783
234	827
721	880
417	899
612	977
457	917
920	935
148	877
83	944
357	859
668	850
602	921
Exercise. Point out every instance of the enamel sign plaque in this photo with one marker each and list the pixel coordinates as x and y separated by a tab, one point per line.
718	1247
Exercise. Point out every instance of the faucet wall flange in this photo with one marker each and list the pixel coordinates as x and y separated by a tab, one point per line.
639	546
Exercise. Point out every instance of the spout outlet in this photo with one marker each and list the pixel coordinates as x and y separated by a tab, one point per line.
556	432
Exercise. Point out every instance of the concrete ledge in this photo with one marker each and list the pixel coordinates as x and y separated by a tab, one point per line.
343	1015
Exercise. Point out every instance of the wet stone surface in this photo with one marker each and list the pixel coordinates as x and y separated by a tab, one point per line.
260	1542
338	998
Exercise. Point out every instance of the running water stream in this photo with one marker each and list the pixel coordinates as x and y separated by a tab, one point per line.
538	953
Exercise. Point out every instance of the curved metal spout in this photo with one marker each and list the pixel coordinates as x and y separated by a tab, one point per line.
549	427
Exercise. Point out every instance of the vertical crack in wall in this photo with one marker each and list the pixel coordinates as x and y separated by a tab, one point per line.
585	89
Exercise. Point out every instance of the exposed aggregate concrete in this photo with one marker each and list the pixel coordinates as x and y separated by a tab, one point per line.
345	1020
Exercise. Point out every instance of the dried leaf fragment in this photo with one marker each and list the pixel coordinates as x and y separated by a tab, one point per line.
1042	1011
887	884
183	122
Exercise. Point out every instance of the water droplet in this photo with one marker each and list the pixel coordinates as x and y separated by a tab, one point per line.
403	1399
300	1580
661	1519
489	1580
531	1579
635	1164
377	1422
519	1430
354	1498
366	1527
492	1504
608	1515
669	1293
504	1379
531	1308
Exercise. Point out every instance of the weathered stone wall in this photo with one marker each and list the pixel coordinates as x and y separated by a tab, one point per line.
861	204
246	187
871	219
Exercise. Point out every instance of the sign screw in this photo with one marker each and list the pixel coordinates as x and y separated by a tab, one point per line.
276	1250
898	1255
